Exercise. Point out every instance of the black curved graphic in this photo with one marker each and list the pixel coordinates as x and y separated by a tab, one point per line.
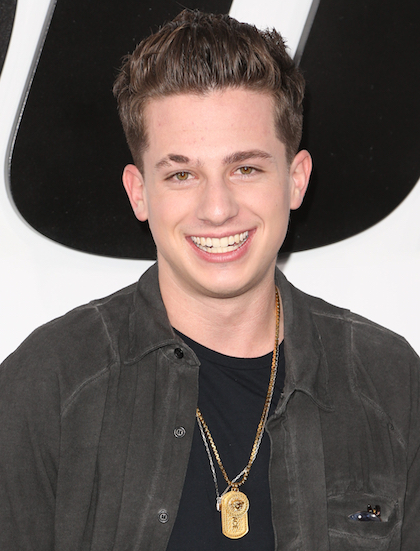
7	16
362	123
70	149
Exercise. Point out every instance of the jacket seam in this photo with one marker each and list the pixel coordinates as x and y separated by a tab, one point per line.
353	319
363	396
100	373
87	382
105	325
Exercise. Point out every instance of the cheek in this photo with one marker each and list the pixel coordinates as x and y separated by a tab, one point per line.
275	214
273	204
165	214
156	218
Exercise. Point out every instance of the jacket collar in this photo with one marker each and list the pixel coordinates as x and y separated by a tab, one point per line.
149	327
306	363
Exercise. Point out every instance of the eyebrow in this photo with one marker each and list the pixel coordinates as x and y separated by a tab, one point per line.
240	156
166	161
236	157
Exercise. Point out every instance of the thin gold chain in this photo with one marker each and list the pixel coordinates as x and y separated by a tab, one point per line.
235	485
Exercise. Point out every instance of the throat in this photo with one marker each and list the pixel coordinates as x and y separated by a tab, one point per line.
243	334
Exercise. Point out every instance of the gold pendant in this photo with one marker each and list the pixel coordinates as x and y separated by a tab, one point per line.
234	508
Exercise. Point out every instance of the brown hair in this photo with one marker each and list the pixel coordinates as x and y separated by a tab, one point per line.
198	52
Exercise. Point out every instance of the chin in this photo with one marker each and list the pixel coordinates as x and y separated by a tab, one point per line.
223	288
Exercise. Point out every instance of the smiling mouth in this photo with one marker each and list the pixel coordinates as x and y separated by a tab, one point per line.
216	245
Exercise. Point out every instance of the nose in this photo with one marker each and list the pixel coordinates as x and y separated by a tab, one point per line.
217	202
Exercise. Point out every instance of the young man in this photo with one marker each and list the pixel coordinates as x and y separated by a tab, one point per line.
212	405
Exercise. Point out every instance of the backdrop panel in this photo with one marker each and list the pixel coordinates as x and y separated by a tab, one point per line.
361	123
70	149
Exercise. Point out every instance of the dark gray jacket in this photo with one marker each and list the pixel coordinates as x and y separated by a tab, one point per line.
97	411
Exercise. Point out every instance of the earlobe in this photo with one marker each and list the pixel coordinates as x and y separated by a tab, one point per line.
300	171
134	186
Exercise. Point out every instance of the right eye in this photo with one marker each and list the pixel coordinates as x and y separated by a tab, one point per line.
181	176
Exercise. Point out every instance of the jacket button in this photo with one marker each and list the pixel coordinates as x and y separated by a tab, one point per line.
179	432
163	516
179	353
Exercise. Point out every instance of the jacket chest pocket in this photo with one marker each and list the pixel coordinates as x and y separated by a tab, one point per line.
347	533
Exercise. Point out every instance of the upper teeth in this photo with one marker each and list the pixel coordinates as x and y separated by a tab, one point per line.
220	244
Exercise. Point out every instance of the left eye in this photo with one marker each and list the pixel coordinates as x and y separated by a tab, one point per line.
246	170
181	176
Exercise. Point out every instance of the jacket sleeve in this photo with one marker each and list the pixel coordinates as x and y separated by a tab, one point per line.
29	448
411	521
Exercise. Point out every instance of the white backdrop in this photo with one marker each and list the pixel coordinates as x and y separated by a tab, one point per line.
375	273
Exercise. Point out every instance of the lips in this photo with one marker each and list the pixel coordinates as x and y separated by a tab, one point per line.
217	245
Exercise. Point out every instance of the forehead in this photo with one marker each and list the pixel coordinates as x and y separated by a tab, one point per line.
218	120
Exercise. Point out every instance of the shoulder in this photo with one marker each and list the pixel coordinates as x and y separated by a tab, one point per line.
70	351
375	352
380	365
364	336
367	338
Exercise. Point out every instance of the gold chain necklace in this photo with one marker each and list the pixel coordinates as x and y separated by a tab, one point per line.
234	504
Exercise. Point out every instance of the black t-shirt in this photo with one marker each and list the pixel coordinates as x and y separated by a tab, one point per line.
232	392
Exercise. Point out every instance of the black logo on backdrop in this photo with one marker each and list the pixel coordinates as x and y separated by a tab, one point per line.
361	125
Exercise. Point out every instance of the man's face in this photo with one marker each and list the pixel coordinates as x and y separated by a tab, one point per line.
216	190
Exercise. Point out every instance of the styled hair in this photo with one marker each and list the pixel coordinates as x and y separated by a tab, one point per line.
197	53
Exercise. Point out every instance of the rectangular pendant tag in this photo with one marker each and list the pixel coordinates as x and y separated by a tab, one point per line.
234	510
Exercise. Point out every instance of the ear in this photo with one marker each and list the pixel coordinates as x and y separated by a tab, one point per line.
134	186
300	171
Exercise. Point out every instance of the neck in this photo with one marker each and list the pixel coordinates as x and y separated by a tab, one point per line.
241	326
